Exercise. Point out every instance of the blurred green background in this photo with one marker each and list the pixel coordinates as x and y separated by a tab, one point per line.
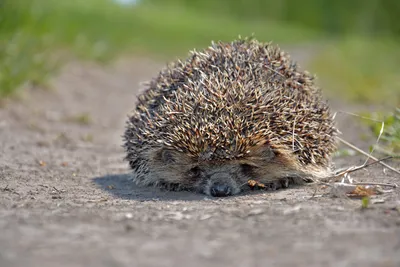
354	44
356	55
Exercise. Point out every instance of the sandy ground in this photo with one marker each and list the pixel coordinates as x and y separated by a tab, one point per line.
65	199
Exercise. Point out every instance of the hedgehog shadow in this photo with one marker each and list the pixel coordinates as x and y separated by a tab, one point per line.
120	186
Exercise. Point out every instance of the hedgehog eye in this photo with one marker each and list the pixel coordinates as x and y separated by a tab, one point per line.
247	168
167	156
195	172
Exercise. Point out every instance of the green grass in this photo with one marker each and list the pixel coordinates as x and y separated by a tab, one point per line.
339	17
364	70
390	139
38	36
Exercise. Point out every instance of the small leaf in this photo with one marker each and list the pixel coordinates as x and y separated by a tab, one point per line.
365	202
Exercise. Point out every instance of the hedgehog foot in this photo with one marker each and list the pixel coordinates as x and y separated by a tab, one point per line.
276	185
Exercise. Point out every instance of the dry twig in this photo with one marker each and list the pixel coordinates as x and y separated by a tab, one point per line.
368	155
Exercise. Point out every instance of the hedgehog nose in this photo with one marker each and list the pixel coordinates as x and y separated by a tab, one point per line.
220	190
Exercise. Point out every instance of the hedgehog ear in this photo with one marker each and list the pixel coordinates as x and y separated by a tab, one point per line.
264	152
170	156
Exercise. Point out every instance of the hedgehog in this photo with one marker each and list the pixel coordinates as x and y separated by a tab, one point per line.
230	113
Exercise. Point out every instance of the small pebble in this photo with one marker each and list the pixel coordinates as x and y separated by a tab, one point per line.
256	212
205	217
292	210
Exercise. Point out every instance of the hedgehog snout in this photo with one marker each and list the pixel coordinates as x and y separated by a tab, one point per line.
220	190
221	185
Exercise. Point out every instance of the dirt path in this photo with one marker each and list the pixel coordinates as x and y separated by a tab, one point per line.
65	200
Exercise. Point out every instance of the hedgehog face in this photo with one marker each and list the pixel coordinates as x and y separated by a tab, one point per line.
175	170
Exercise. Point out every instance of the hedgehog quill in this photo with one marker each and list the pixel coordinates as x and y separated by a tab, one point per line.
232	113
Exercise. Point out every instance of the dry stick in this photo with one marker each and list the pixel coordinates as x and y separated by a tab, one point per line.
366	118
368	155
353	169
365	165
381	184
358	183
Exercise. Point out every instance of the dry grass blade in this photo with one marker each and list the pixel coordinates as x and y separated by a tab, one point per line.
376	143
356	115
356	168
377	140
368	155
